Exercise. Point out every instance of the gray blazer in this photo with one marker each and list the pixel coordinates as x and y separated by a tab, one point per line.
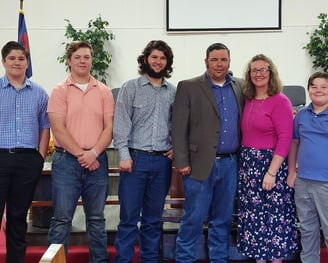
196	124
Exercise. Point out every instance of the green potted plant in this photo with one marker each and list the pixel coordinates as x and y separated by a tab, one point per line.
318	44
97	35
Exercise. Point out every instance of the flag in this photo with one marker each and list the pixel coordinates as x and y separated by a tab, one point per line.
23	40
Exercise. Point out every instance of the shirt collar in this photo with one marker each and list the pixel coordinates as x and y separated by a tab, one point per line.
92	83
27	83
310	108
228	80
146	81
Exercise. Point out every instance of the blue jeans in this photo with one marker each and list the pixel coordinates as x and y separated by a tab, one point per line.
211	200
69	182
142	196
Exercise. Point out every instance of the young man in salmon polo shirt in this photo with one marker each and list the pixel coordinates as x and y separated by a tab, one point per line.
81	112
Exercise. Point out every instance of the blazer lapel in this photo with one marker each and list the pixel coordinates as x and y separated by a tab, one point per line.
206	87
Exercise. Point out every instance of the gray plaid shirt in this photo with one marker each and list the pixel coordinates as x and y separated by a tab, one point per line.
142	118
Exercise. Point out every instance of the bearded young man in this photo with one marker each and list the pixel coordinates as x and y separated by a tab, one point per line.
142	125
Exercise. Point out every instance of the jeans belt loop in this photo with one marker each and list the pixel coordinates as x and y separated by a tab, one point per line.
224	155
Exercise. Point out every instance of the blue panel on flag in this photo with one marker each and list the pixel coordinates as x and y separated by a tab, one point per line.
23	40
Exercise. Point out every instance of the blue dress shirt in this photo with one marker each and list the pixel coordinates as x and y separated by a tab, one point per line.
23	114
228	109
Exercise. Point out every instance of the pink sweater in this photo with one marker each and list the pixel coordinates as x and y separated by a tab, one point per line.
268	124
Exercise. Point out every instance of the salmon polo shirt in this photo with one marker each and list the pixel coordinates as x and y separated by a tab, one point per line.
84	110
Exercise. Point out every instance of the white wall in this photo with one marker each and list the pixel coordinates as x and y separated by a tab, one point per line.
134	23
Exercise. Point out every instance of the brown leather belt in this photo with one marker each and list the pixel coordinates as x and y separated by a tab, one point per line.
60	149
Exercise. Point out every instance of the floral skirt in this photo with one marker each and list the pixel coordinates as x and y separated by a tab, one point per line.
267	225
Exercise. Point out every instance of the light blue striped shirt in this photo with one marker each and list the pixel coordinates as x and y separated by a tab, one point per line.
23	114
142	118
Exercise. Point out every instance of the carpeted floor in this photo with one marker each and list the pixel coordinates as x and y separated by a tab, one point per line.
79	254
76	254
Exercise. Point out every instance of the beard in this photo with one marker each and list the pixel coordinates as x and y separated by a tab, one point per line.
151	73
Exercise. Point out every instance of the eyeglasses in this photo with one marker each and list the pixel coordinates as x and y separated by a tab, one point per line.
262	71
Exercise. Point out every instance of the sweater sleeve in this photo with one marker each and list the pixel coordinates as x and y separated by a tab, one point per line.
282	119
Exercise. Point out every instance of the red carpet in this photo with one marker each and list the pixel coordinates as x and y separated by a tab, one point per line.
76	254
79	254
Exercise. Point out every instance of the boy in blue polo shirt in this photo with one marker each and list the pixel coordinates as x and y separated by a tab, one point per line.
309	151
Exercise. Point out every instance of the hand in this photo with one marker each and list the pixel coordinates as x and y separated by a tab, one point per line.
94	166
184	171
169	154
291	180
126	166
268	182
88	159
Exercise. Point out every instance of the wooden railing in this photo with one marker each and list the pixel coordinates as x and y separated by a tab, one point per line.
173	203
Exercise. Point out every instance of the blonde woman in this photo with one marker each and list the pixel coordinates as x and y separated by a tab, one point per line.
266	212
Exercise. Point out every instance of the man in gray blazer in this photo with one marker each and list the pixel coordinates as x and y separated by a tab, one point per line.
206	136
